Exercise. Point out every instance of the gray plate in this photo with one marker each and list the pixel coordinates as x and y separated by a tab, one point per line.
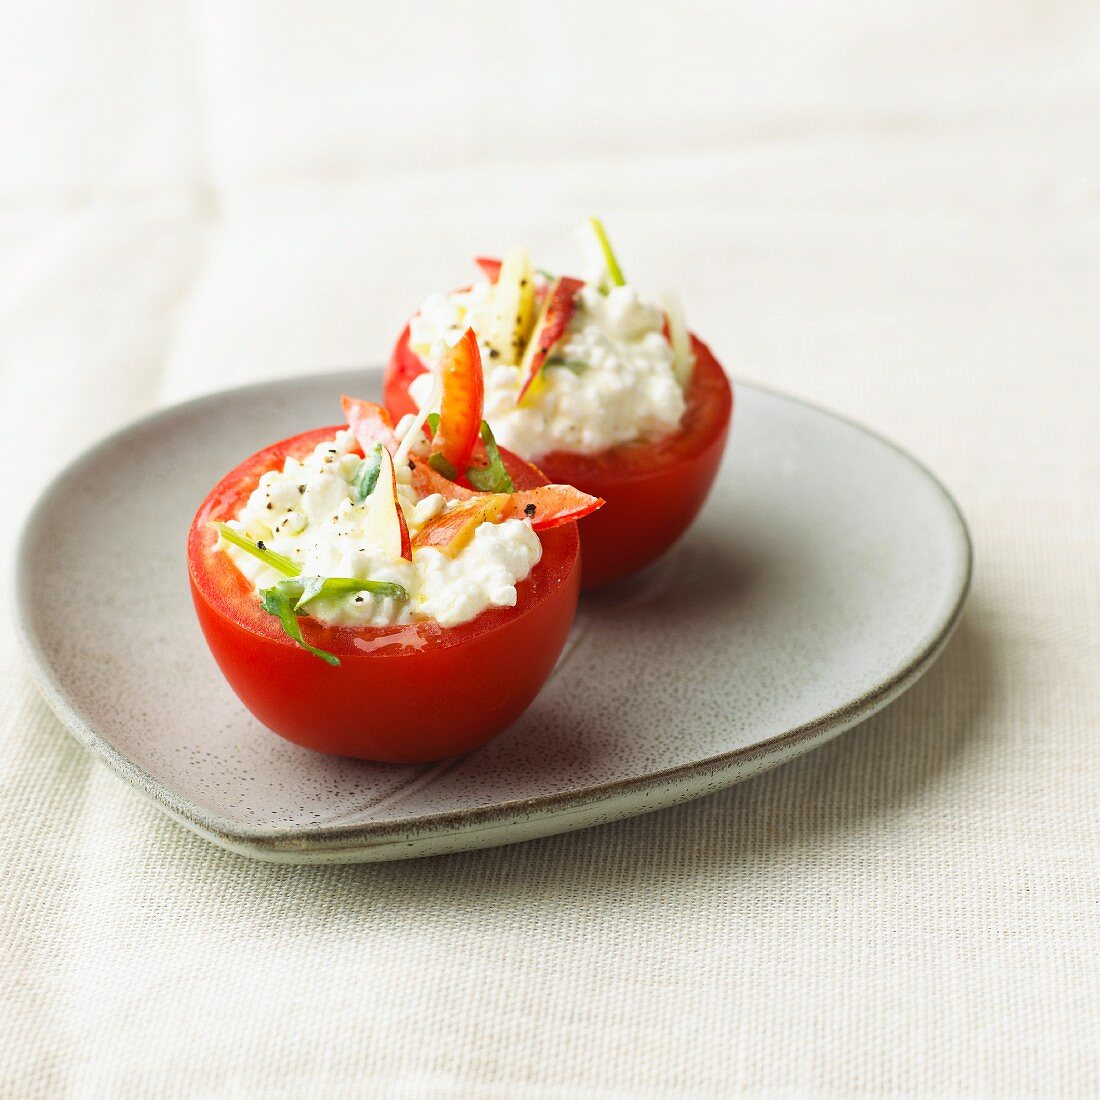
822	579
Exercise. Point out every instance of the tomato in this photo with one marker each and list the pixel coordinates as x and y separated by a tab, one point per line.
653	491
401	694
490	267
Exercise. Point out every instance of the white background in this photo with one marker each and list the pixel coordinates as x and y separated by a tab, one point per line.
890	208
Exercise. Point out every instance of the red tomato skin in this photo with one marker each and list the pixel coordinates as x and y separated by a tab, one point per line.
404	366
436	693
653	491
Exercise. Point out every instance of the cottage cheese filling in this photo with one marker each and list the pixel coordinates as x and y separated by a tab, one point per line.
306	512
610	380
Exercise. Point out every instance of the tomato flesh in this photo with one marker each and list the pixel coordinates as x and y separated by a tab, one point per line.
401	694
653	491
490	267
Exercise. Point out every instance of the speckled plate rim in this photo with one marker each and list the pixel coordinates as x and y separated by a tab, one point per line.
502	822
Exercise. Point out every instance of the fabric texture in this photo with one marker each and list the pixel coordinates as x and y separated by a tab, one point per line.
892	210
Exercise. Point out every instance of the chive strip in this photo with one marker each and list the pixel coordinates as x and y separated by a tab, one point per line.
442	466
278	601
493	478
366	475
285	600
436	460
329	587
575	365
277	561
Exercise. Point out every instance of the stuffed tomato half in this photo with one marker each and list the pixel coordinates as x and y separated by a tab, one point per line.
360	602
597	385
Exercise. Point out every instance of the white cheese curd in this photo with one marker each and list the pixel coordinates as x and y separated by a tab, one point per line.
306	513
619	383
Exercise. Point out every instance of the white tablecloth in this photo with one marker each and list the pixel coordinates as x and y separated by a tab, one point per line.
891	209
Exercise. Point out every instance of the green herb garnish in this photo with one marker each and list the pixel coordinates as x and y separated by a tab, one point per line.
492	478
329	587
279	600
366	476
442	466
574	365
277	562
286	599
437	461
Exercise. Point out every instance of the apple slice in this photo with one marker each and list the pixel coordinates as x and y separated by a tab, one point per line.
370	424
514	307
451	531
490	268
557	311
548	506
460	406
385	525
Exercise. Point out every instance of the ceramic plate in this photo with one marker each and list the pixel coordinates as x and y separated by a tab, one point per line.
823	577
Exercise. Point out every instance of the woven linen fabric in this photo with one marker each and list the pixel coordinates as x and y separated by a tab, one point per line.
892	210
